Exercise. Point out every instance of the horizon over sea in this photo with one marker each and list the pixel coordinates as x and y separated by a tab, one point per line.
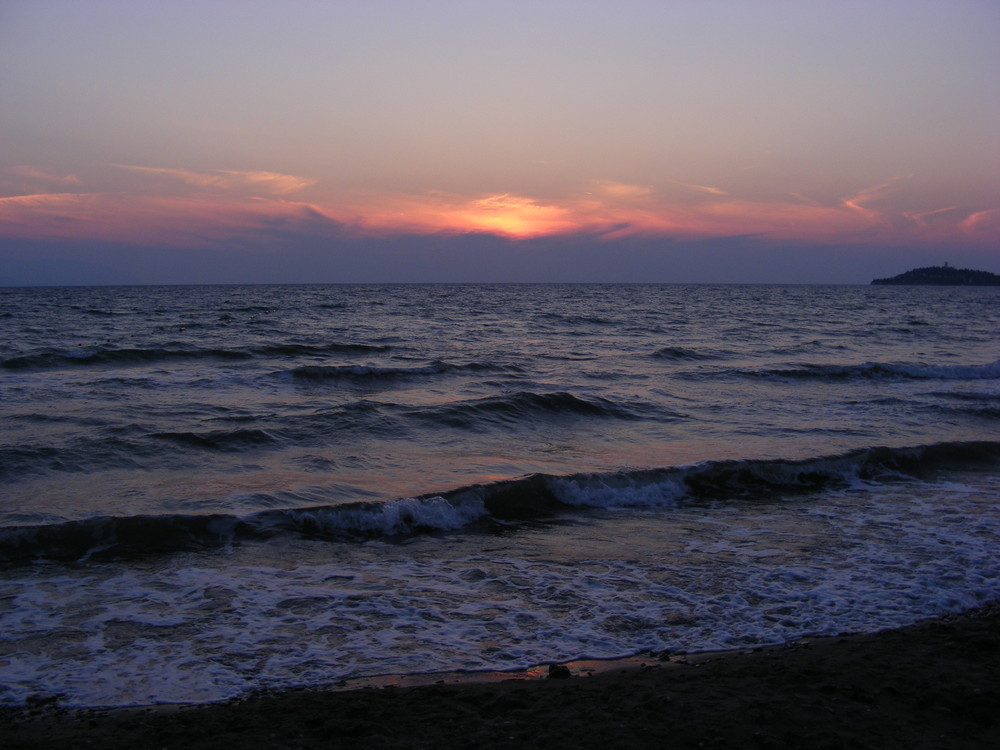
212	489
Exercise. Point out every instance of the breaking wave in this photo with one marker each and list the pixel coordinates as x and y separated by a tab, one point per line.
482	507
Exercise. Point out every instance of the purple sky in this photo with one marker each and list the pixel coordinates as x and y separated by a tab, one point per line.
430	140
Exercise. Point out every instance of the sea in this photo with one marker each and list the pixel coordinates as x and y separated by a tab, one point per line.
211	490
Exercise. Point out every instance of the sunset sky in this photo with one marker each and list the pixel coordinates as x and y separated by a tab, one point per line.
550	140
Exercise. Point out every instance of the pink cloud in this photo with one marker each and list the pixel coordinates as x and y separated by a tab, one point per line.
115	217
613	210
221	205
42	176
983	223
227	180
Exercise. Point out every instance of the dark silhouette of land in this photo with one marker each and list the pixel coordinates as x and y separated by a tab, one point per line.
942	276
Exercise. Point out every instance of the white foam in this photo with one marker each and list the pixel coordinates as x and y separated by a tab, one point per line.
197	628
398	516
618	490
389	518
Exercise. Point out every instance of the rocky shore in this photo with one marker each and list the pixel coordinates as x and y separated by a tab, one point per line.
935	684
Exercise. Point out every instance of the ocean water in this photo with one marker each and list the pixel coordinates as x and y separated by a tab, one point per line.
209	490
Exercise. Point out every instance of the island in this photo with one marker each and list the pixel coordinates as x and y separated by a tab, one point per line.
942	276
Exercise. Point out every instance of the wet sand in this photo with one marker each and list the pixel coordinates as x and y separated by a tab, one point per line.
932	685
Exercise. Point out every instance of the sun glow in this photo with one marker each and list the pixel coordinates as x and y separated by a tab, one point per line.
247	206
514	216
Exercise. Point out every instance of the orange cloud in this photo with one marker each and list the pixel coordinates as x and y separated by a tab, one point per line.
503	214
221	205
228	180
612	210
607	207
619	190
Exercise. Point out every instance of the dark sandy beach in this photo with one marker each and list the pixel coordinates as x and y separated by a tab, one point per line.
932	685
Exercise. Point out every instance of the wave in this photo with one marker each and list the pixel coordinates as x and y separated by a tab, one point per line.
121	451
49	360
496	504
975	412
969	396
371	373
222	440
577	320
515	407
881	371
763	479
108	537
114	536
24	459
77	455
103	357
980	405
110	447
680	354
305	350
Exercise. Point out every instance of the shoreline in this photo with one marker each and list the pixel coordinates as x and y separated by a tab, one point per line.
934	684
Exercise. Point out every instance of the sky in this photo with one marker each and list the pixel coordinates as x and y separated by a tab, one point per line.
244	141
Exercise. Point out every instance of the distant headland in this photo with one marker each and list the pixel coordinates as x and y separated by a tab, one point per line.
943	276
